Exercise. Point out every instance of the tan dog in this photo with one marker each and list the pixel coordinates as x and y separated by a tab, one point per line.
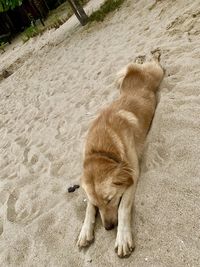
113	148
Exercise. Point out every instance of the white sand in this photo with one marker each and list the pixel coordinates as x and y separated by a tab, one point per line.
60	81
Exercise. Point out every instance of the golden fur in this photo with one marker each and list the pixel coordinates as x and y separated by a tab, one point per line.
113	148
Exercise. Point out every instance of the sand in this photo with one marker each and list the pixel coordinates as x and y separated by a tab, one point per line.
59	82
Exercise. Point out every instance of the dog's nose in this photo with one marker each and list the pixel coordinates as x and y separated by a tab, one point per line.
109	226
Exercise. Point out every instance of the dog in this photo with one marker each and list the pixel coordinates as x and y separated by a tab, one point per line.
113	150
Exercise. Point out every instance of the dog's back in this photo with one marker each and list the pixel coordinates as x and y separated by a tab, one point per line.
131	113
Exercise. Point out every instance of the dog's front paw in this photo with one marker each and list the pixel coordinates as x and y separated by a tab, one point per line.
124	244
86	237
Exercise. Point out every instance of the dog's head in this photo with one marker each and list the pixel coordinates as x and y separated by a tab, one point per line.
104	181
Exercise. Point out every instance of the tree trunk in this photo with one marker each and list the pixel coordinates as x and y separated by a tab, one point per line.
79	11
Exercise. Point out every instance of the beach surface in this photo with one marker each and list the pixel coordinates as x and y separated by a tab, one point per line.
51	88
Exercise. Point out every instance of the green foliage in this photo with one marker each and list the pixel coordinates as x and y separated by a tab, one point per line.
2	45
9	4
107	7
30	32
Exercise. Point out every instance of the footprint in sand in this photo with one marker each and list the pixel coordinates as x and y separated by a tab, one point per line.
186	23
55	168
159	156
1	226
18	211
11	213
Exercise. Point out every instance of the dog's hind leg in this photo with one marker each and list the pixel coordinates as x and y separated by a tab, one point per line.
87	232
154	71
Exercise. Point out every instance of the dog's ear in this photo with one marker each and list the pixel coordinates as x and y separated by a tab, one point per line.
124	177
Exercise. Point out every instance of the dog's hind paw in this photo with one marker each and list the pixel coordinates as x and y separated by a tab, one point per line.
156	54
124	244
86	237
140	59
